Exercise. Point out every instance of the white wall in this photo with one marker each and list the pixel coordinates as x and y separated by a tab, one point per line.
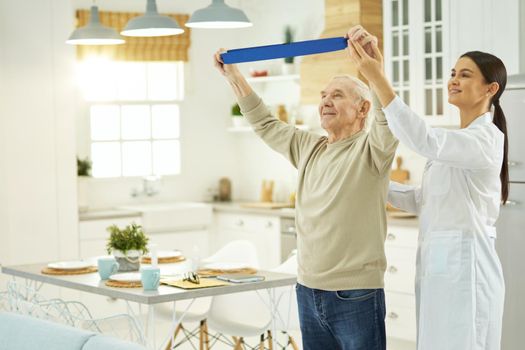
37	124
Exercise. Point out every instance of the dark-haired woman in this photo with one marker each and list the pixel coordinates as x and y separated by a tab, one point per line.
459	280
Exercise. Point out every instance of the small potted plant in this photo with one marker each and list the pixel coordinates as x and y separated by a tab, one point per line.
83	173
83	166
127	246
237	117
288	67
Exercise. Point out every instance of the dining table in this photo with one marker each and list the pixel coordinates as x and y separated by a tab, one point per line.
91	283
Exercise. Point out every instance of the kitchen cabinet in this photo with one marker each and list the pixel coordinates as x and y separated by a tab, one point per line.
261	230
400	250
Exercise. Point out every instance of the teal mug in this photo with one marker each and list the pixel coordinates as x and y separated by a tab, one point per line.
150	277
107	266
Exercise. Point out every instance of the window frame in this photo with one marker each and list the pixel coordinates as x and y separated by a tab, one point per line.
88	141
416	57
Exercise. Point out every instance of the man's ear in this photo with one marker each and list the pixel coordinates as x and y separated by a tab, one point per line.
364	108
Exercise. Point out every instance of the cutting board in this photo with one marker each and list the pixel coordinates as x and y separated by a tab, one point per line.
398	174
266	205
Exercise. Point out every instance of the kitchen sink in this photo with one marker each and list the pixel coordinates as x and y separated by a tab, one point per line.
173	216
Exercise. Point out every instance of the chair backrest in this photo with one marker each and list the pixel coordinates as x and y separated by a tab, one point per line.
247	307
288	312
240	251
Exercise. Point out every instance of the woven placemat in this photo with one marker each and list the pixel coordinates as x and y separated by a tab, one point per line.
124	284
170	260
217	272
50	271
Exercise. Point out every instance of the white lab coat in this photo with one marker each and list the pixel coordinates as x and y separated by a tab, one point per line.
459	280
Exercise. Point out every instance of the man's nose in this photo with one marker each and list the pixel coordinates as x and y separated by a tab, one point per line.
327	101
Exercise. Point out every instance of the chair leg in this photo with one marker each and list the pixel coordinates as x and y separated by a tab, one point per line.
241	345
177	330
293	343
201	335
206	339
261	343
270	342
238	343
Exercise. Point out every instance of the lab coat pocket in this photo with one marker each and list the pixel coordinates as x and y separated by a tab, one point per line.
441	253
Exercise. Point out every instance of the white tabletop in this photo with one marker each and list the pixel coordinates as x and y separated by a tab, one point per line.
91	283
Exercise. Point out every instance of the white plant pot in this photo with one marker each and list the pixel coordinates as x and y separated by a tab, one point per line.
288	68
238	122
129	261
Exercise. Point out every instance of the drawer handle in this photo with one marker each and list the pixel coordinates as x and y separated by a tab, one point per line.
511	203
291	229
391	236
393	315
269	224
392	269
240	223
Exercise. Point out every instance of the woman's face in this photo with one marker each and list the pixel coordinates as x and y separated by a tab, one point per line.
467	86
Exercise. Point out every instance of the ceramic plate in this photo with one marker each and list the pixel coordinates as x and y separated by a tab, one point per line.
166	254
69	265
225	266
126	277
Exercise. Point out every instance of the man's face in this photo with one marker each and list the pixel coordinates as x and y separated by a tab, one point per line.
338	108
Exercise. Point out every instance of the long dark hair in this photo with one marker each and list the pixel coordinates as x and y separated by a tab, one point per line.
494	70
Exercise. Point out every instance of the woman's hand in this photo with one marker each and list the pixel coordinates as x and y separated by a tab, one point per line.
365	39
230	71
364	53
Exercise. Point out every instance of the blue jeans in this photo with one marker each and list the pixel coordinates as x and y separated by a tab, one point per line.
346	320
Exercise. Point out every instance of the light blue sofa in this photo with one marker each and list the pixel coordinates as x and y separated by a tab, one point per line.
19	332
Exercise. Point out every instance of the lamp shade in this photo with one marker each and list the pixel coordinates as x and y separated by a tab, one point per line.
152	24
95	33
218	15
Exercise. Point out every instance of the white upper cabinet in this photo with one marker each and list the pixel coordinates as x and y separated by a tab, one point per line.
424	38
416	47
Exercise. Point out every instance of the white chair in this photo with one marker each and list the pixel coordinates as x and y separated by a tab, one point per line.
240	251
287	312
246	314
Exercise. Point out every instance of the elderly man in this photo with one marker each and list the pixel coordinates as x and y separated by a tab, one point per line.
340	210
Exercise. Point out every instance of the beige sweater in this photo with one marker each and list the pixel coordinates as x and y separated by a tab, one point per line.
341	198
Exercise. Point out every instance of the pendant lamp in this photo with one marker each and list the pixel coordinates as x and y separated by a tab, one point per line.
152	24
219	15
94	33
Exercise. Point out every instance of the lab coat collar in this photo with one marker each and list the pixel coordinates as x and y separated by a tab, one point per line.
482	119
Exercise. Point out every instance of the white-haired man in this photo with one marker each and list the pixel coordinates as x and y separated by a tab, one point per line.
340	210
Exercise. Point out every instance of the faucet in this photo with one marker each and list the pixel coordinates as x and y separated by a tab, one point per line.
149	187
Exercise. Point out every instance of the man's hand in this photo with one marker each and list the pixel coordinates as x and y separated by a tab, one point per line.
230	71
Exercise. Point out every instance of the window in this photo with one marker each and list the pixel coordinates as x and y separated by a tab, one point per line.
134	116
415	46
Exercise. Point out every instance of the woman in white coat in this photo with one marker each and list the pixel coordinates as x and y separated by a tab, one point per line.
459	280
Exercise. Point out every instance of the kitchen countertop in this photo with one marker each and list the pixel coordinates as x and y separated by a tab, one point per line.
227	207
235	207
110	213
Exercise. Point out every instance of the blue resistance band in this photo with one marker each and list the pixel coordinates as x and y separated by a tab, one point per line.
269	52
